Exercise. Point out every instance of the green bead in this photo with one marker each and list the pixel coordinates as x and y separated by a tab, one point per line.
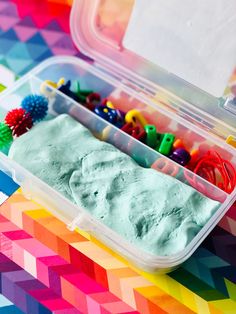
159	140
81	98
84	92
151	138
166	144
5	135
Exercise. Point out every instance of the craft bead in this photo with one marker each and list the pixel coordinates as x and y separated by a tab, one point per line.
231	140
194	155
82	94
110	105
134	116
181	156
107	114
178	144
5	135
65	89
166	144
151	137
135	132
45	87
36	106
19	121
92	101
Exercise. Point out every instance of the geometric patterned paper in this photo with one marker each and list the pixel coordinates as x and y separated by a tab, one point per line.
203	284
28	294
48	278
31	31
7	187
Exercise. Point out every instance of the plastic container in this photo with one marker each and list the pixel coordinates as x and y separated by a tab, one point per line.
129	85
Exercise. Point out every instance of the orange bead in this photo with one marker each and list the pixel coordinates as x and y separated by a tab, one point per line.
194	157
194	153
178	144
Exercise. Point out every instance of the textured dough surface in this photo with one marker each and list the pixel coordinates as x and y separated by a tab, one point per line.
154	211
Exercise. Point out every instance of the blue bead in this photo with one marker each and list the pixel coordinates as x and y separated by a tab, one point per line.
107	114
36	106
65	89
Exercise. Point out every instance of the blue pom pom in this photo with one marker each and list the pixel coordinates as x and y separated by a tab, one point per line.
36	105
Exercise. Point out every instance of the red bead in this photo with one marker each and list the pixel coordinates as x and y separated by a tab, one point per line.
92	101
135	132
19	121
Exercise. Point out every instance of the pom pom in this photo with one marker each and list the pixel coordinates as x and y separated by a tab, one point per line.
19	121
5	135
36	105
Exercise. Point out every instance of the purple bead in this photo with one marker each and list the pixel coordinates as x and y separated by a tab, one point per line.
181	156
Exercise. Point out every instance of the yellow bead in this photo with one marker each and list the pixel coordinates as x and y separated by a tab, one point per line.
133	116
45	90
231	140
110	105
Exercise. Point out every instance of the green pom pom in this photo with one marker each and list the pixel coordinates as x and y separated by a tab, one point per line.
5	135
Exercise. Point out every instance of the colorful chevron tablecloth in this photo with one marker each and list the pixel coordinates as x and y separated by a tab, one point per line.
45	268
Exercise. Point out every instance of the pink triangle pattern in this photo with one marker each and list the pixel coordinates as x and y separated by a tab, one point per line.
7	22
24	33
51	37
3	5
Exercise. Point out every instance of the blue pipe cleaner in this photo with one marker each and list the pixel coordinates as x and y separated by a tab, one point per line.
36	106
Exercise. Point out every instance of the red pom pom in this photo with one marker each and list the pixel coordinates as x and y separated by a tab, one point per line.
19	121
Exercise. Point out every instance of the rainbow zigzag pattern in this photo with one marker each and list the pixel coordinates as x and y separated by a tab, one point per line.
205	284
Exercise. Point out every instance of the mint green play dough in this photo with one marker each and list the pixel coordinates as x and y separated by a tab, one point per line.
154	211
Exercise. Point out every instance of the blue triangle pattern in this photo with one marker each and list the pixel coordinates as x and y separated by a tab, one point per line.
65	43
35	51
6	45
54	26
44	56
37	39
9	35
27	21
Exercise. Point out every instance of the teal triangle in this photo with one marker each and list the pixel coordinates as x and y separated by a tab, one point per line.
18	65
213	262
3	61
27	68
19	51
191	266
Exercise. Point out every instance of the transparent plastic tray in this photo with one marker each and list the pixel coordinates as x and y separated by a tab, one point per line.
124	98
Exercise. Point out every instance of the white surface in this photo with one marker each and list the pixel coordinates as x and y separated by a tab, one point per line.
3	198
195	40
7	76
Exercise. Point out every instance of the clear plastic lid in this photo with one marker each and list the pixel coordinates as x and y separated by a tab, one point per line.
176	51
